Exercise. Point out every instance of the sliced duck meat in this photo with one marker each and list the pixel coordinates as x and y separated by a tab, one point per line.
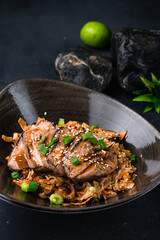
90	161
59	149
136	53
25	153
101	164
17	159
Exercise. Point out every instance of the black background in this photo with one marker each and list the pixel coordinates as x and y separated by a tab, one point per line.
32	33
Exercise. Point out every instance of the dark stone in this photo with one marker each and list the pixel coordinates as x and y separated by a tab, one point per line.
136	53
85	67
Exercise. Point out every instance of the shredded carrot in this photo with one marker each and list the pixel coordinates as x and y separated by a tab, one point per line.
123	134
106	192
126	175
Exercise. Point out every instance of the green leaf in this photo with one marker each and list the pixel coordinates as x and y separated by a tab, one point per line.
151	94
143	98
157	107
148	108
154	79
140	92
147	83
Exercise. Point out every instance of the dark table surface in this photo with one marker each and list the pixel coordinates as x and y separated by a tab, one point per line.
32	33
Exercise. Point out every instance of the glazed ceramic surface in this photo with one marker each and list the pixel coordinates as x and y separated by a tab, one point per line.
30	98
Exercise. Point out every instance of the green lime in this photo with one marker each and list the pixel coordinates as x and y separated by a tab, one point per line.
95	34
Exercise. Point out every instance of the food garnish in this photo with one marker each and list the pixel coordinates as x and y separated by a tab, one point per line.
43	149
54	140
94	127
94	140
15	175
151	94
103	169
133	159
56	199
75	161
24	187
61	122
43	140
87	135
31	187
66	140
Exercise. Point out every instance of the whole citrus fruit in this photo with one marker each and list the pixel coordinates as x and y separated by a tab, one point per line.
95	34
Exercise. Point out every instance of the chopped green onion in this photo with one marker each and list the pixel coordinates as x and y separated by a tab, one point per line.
102	144
75	161
24	187
33	186
56	199
103	169
66	140
60	122
54	140
133	158
43	149
94	127
94	140
87	135
43	140
15	175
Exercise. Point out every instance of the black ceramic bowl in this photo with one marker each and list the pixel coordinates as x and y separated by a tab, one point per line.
30	98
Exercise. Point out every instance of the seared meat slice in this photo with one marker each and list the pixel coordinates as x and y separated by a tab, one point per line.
58	150
18	159
101	164
25	153
92	164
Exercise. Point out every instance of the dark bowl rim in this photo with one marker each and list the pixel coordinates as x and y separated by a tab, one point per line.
84	209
